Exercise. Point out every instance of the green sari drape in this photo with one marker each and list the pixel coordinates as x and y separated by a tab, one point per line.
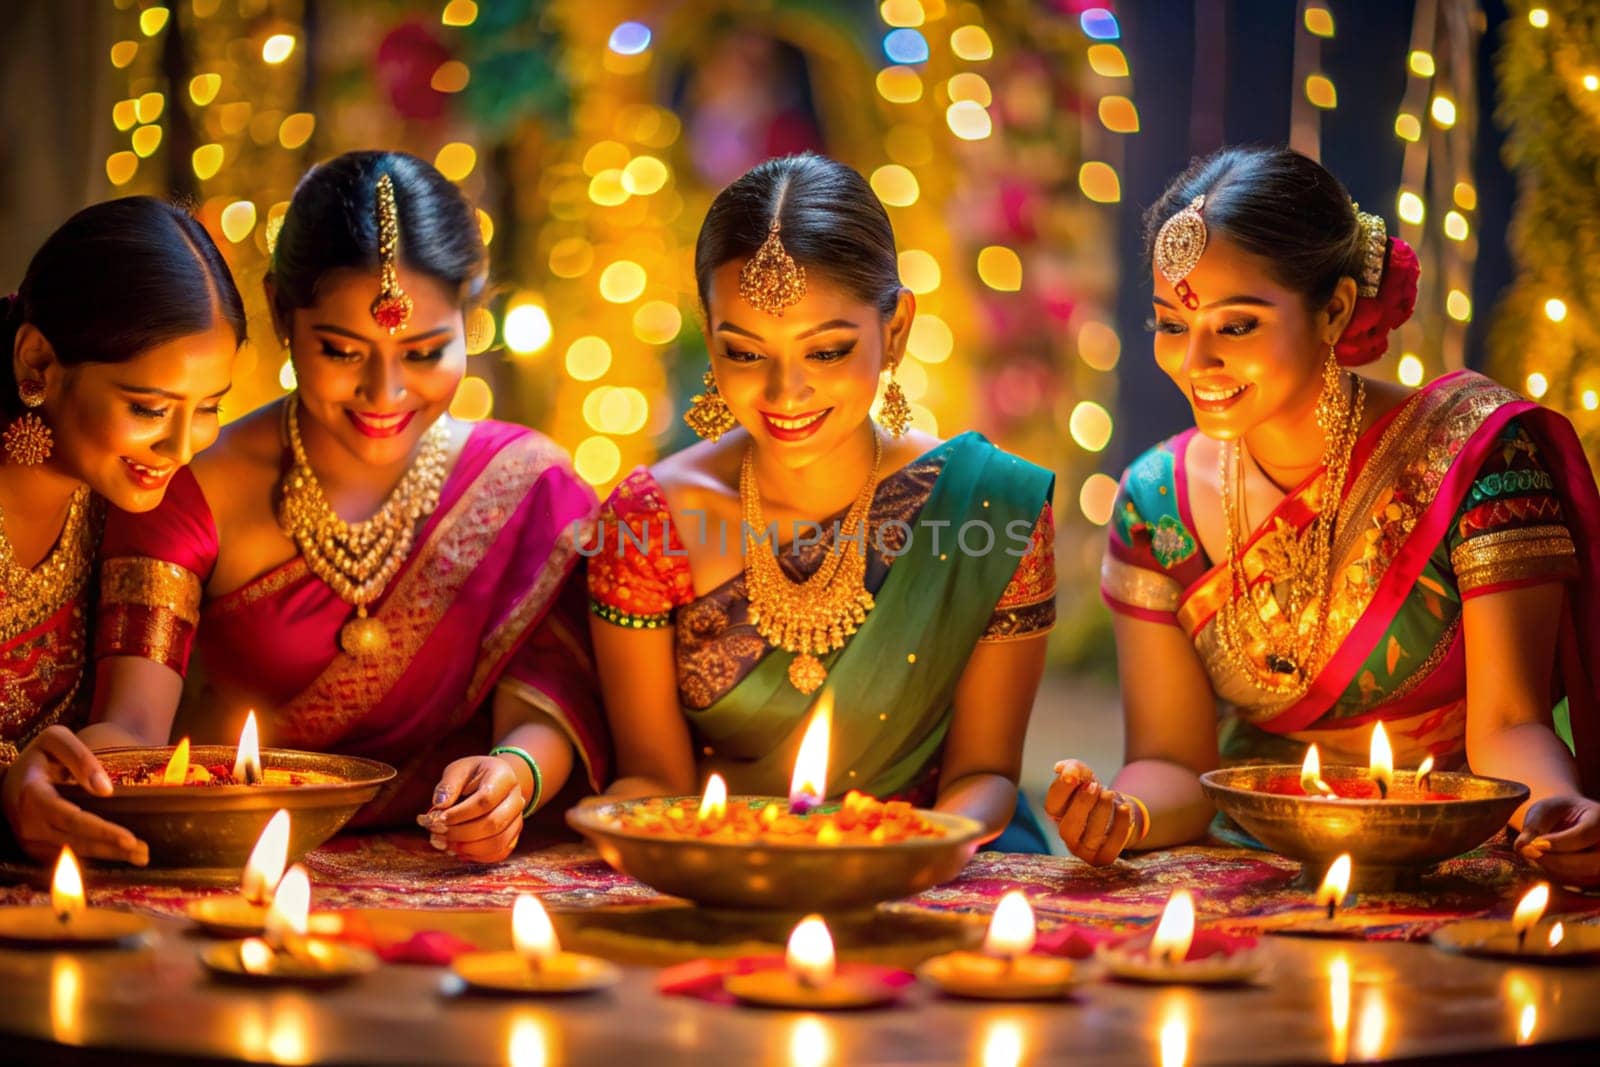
893	683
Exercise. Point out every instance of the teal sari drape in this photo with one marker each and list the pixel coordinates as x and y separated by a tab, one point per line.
893	683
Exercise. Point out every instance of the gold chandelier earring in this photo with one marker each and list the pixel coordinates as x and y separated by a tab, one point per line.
709	415
28	441
895	414
1333	404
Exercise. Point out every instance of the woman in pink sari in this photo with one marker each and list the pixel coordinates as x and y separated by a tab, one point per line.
1323	551
439	632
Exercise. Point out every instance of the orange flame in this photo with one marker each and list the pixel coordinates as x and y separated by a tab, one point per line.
265	866
1530	908
1335	884
1012	931
177	771
531	930
810	952
247	764
1311	775
66	888
1175	932
810	781
291	904
1382	760
714	804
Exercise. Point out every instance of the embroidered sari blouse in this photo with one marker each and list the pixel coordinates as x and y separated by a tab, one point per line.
639	577
1509	530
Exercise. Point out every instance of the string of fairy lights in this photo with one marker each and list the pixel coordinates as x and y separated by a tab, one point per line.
1437	122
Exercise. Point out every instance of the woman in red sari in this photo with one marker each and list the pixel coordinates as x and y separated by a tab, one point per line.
119	345
1324	551
367	574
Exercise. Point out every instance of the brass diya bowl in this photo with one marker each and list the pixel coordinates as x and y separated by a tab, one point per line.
1392	842
774	875
210	829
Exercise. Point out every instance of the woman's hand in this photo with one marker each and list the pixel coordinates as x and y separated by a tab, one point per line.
477	810
1561	836
1095	823
43	821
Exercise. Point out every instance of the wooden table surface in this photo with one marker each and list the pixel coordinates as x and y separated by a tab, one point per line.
1402	1001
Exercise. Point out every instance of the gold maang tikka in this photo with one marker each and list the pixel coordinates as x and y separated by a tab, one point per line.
1179	244
392	309
771	280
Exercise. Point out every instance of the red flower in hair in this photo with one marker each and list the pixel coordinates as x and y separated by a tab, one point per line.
1366	335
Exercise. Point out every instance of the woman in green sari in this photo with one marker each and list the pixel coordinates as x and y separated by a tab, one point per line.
804	548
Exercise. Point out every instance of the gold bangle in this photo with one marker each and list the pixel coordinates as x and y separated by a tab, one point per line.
1144	829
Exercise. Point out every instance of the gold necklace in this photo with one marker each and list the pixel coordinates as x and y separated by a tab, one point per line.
815	616
358	559
1289	651
30	595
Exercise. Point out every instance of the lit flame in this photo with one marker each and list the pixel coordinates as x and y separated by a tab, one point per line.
255	955
1335	884
1530	908
1424	769
810	781
1311	774
1012	930
1382	760
531	930
1339	1006
177	771
286	919
810	953
1558	933
1002	1044
247	764
66	889
1175	932
714	804
810	1043
265	866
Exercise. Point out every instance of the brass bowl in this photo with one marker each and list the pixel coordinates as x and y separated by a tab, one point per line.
212	828
1391	842
779	877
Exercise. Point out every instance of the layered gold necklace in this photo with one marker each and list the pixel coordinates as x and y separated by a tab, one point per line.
358	559
1287	645
31	594
813	617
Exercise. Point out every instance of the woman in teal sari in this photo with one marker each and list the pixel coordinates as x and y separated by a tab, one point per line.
803	547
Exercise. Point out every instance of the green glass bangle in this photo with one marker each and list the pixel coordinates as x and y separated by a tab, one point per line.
538	778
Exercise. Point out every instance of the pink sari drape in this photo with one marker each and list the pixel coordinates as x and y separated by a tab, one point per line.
487	597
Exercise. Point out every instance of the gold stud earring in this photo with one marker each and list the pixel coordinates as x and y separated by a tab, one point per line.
28	441
709	415
895	414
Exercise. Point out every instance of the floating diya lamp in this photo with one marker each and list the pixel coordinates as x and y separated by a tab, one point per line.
537	964
285	952
1394	826
810	978
1007	968
246	912
68	921
1522	937
202	807
797	854
1173	953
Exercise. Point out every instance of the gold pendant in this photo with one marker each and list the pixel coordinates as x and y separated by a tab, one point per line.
364	635
806	672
